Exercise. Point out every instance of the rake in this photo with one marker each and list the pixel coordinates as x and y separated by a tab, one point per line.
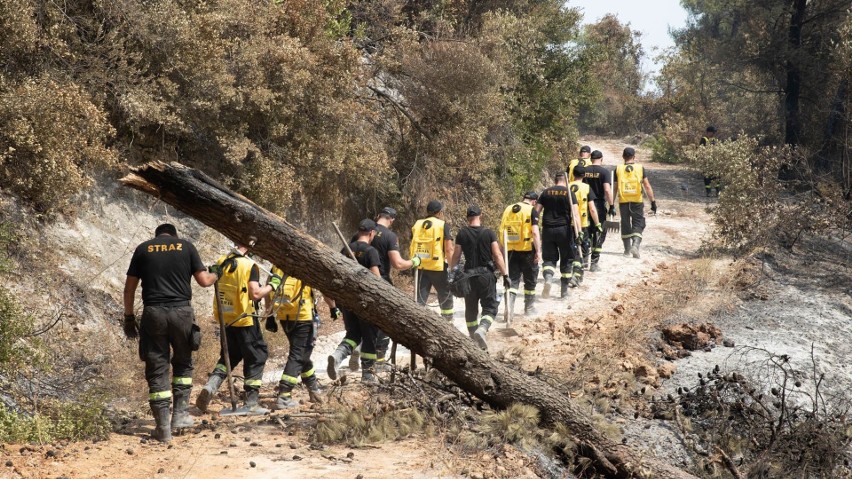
611	224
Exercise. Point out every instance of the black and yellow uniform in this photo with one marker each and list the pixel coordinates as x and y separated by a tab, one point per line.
710	182
581	162
300	323
596	176
628	180
585	199
359	331
518	221
242	329
557	235
427	243
385	241
165	266
475	242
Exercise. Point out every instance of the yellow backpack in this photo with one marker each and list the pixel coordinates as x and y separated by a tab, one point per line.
517	223
581	191
427	243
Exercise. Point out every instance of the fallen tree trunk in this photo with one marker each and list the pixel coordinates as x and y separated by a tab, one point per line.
375	300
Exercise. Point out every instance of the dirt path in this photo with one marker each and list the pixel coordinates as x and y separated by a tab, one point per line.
262	448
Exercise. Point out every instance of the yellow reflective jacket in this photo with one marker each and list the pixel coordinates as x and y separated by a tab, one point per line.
581	191
517	223
573	164
237	307
629	178
427	243
300	296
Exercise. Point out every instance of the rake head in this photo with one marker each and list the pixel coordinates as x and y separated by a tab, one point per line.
612	226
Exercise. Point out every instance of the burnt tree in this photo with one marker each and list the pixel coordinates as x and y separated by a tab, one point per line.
404	320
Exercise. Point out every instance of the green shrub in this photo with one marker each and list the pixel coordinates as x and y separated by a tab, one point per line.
57	420
15	326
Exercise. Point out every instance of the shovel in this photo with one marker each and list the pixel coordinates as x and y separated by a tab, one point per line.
234	411
508	312
611	224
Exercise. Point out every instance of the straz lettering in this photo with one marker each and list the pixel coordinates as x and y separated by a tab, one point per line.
163	248
557	192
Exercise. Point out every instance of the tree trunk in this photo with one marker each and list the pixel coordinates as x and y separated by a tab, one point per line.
373	299
792	91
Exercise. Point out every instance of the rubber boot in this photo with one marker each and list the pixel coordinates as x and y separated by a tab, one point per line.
252	403
207	392
628	245
594	268
367	376
181	418
545	290
355	359
162	416
335	360
634	250
285	401
564	285
314	390
479	336
587	261
529	304
447	317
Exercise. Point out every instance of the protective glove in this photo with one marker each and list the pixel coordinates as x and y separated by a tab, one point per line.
451	276
611	210
271	325
599	228
336	313
415	262
506	282
130	329
654	207
274	281
215	269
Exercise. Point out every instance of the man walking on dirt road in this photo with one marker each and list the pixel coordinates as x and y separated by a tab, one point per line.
588	222
358	331
583	160
239	292
432	244
167	333
557	234
630	179
482	258
710	182
520	224
598	179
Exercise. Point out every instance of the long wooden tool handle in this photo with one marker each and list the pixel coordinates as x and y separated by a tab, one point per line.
343	239
224	339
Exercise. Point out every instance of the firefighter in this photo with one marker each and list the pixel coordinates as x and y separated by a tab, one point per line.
710	182
588	222
482	259
239	292
598	179
630	178
558	233
583	160
432	243
296	311
167	333
520	224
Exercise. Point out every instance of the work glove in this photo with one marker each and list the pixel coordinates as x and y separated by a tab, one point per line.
336	313
130	329
599	228
611	210
271	325
654	207
215	269
506	282
274	281
451	276
415	262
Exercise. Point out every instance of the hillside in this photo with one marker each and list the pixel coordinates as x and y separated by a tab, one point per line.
604	349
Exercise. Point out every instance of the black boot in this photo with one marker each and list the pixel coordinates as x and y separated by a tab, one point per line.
564	285
162	416
634	250
367	376
545	292
253	406
628	244
181	417
529	304
314	390
208	391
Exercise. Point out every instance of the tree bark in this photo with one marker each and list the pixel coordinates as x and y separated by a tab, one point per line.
373	299
792	120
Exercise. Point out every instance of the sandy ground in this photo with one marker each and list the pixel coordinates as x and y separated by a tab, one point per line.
266	448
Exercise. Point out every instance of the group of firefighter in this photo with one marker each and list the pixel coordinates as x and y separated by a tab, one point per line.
562	229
